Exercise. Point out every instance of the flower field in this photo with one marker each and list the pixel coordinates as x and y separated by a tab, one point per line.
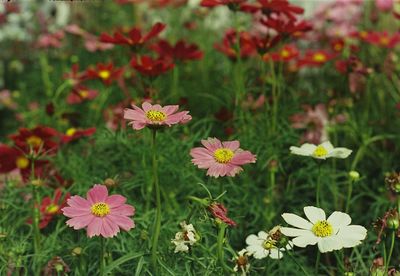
200	137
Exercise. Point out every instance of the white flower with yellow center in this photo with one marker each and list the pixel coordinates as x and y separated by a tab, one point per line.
322	151
184	238
264	245
330	234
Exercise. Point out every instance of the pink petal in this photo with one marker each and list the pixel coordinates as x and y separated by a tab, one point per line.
80	222
156	107
130	114
243	157
75	212
212	144
109	229
232	145
138	125
216	170
115	200
124	210
94	227
123	222
201	153
146	106
175	118
169	109
233	170
98	193
78	202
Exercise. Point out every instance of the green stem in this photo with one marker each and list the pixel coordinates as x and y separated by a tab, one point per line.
35	220
220	245
349	192
44	64
317	262
157	223
102	255
297	263
318	189
390	252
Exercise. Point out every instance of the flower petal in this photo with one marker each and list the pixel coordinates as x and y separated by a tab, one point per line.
123	222
340	153
297	221
294	232
94	227
314	214
98	193
80	222
329	244
303	241
304	150
339	220
115	200
232	145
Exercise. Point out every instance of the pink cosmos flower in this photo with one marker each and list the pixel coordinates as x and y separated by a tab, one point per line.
102	214
221	158
155	116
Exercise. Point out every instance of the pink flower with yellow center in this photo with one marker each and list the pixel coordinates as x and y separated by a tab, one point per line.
221	158
103	215
155	115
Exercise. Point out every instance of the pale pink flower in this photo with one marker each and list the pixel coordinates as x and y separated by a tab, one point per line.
384	5
155	116
102	214
221	158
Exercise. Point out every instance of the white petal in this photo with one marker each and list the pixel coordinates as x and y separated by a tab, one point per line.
314	214
303	241
252	249
329	244
328	146
351	235
339	220
340	153
275	253
297	221
294	232
253	240
304	150
262	235
261	253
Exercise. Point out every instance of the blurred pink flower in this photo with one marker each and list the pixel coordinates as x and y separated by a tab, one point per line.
51	40
92	43
155	116
384	5
103	215
7	100
221	158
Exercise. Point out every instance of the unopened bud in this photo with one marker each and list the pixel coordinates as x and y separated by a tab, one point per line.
354	175
77	251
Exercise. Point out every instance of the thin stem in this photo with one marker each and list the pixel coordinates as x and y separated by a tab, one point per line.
44	65
102	255
297	263
390	252
317	262
35	219
349	192
220	245
318	188
157	223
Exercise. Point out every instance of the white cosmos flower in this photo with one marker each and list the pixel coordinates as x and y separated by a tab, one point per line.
242	262
330	234
263	245
184	238
322	151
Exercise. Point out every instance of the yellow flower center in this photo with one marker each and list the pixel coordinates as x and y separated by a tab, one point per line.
22	162
285	53
83	93
52	209
156	116
384	40
319	57
71	131
34	141
100	209
269	244
104	74
322	228
320	151
338	47
223	155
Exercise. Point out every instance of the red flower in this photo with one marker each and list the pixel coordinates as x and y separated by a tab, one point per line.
75	76
265	44
269	7
182	51
287	28
39	138
105	72
134	38
229	45
382	39
337	45
151	67
232	4
51	207
285	54
74	134
80	94
220	212
316	58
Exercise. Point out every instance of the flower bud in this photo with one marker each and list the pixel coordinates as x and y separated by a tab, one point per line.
393	223
354	175
77	251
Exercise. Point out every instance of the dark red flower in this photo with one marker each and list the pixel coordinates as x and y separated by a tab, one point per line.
74	134
266	43
232	4
286	28
316	58
51	207
220	212
75	77
182	51
228	46
107	73
269	7
40	138
337	45
134	36
285	54
148	66
80	94
382	39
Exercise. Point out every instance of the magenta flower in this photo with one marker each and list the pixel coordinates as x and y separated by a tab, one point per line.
219	211
155	116
102	214
221	158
